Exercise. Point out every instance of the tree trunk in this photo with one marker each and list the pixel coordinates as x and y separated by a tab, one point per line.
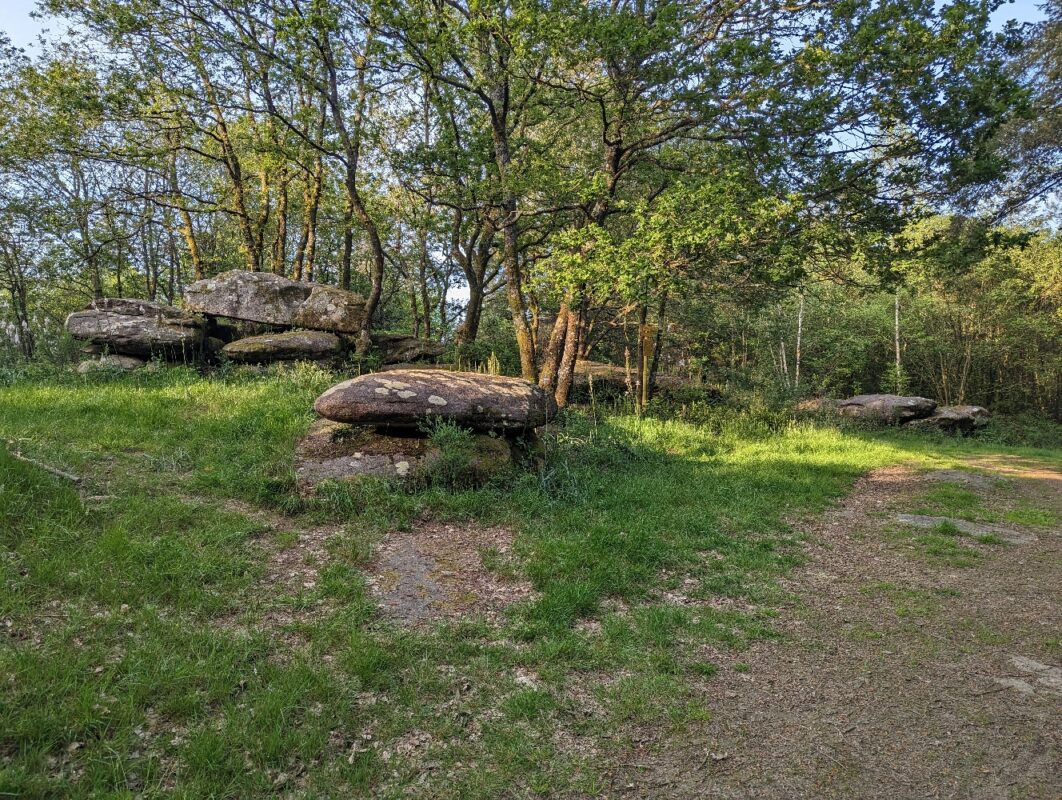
555	350
354	206
896	339
511	239
641	356
469	329
187	229
422	280
514	294
280	243
658	342
566	372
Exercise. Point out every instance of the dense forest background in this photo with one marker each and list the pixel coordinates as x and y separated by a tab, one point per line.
788	198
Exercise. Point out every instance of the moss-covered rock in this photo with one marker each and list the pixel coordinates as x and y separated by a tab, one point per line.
289	346
334	451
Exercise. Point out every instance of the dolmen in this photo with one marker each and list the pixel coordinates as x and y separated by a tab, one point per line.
913	412
238	316
379	424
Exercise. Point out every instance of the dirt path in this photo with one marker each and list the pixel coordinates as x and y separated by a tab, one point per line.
903	676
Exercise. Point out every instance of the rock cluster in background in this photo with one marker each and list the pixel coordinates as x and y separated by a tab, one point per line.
915	412
246	317
376	424
138	328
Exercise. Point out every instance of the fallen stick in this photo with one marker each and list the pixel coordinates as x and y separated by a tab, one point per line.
40	465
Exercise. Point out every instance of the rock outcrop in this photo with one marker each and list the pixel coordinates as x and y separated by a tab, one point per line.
271	299
398	349
251	317
251	296
887	407
138	328
912	412
408	398
289	346
609	381
953	419
333	451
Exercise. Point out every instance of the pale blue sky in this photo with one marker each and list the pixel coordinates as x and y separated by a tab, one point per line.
16	21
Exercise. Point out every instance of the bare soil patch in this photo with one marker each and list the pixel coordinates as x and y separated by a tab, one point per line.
900	677
441	571
976	529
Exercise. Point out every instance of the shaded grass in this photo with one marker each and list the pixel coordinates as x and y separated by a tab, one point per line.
128	675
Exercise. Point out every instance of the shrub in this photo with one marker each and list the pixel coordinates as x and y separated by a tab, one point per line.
453	467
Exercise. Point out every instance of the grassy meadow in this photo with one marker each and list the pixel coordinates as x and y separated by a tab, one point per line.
148	652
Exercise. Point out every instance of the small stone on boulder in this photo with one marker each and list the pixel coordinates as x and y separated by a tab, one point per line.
291	346
331	309
887	407
407	398
137	328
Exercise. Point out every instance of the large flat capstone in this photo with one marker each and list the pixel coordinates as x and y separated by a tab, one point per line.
407	398
274	300
138	328
887	407
289	346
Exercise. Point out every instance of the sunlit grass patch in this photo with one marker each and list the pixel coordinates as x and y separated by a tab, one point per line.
949	499
1027	514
